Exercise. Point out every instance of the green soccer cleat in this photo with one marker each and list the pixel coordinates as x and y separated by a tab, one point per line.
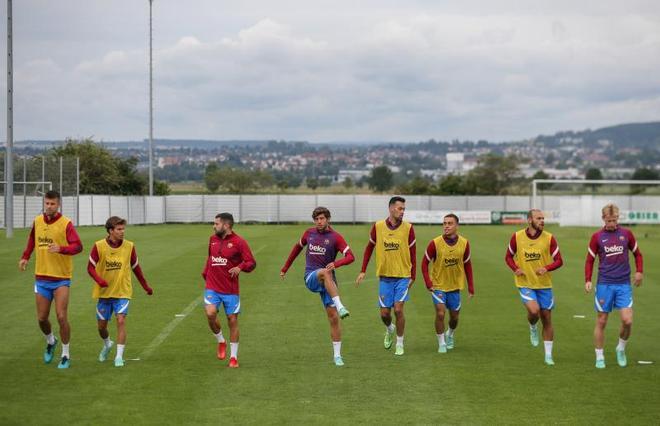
64	363
399	350
339	362
600	363
548	360
387	341
103	355
621	358
534	336
450	341
119	362
442	349
49	352
343	312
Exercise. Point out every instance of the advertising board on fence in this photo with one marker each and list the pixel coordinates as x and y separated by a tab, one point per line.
520	217
436	216
639	216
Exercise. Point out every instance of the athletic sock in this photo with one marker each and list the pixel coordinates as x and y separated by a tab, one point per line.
107	342
548	347
337	302
50	339
399	340
233	347
532	327
622	345
219	337
450	331
336	348
65	350
441	339
599	354
390	328
120	352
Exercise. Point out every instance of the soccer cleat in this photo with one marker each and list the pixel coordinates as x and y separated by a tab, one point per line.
621	358
450	341
442	348
119	362
534	336
233	363
222	350
103	355
49	352
387	342
399	350
64	363
600	363
343	312
339	362
548	360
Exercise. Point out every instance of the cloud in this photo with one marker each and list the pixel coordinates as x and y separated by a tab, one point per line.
416	75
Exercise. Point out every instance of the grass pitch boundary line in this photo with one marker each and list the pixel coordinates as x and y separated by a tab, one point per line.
169	328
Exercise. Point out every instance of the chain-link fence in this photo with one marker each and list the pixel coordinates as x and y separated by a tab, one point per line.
33	176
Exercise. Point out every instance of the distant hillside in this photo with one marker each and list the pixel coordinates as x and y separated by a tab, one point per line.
634	135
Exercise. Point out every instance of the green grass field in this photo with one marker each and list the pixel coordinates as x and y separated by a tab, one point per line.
287	374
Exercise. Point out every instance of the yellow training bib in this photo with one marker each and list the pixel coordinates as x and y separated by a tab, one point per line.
448	268
114	266
51	264
392	252
531	255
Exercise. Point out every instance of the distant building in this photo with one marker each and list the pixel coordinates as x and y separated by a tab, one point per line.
455	162
354	175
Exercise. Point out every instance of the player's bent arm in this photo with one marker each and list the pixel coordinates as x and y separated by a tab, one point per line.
346	260
75	245
295	251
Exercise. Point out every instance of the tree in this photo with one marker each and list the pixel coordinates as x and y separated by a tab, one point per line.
643	174
381	179
493	175
211	177
103	173
325	182
593	174
540	174
417	186
312	183
451	185
348	183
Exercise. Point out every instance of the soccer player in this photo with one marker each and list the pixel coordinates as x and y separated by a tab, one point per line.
228	256
532	254
394	240
110	263
449	254
612	244
323	243
55	240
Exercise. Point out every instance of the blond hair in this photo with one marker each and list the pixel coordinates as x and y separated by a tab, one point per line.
611	209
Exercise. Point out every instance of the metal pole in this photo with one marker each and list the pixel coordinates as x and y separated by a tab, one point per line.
24	191
43	173
60	188
9	169
151	105
77	191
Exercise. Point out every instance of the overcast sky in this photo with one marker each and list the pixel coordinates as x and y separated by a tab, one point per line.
332	70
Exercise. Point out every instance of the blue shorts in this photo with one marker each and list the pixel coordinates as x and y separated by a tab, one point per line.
617	296
106	306
231	302
392	290
47	288
451	299
316	286
542	296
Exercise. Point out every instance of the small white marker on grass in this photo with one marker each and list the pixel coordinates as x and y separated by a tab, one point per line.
179	315
134	359
645	362
579	316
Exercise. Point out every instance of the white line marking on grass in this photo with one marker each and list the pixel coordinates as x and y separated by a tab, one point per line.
169	328
134	359
645	362
579	316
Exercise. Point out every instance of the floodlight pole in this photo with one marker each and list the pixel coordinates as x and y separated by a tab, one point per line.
151	105
9	169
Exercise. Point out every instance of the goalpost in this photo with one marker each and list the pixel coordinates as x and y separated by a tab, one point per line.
584	209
